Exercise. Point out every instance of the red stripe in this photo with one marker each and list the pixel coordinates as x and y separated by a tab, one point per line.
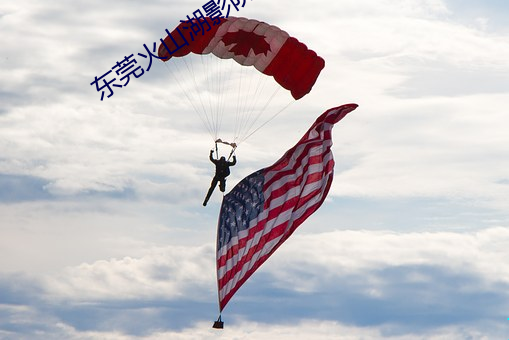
240	282
277	168
273	213
242	242
285	159
324	134
226	298
297	182
312	159
274	233
260	226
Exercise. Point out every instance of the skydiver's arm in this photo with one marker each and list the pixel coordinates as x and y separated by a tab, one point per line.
210	156
234	161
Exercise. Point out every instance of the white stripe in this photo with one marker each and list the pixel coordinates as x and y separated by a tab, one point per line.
315	168
247	266
324	144
269	176
286	216
266	249
279	219
242	252
234	240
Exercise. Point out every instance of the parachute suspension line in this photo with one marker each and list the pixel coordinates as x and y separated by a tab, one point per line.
191	70
249	112
224	69
249	101
216	71
244	112
195	108
238	111
215	81
256	92
248	132
260	112
215	110
205	66
268	121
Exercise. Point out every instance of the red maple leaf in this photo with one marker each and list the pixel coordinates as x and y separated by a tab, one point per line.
246	41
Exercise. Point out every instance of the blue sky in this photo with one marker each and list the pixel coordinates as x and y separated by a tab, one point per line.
102	232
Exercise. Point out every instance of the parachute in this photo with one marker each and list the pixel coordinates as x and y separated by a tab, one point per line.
215	86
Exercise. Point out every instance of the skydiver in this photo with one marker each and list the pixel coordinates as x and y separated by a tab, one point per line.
222	171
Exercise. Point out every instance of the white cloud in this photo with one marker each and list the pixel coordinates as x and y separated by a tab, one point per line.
307	329
306	263
339	253
124	177
443	147
401	146
317	329
439	274
162	273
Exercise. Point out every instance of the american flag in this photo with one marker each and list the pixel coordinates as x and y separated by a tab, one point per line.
266	207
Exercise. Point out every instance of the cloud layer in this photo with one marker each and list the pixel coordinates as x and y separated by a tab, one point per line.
102	235
367	283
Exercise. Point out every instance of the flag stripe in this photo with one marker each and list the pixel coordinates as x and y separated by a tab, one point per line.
265	208
293	180
274	212
274	232
268	236
293	161
229	290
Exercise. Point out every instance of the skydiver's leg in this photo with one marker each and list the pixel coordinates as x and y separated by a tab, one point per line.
211	190
222	184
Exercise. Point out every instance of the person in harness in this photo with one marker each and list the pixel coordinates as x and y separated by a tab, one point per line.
222	171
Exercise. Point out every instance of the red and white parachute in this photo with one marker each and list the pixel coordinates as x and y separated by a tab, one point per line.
216	86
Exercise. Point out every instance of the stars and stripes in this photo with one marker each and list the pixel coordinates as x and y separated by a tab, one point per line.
266	207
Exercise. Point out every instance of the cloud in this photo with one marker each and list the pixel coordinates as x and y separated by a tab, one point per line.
168	273
385	284
402	68
307	329
448	159
101	237
477	253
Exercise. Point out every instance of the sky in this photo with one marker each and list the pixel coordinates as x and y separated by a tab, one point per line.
102	231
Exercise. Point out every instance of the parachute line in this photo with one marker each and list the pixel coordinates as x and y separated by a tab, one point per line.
268	121
195	108
191	70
